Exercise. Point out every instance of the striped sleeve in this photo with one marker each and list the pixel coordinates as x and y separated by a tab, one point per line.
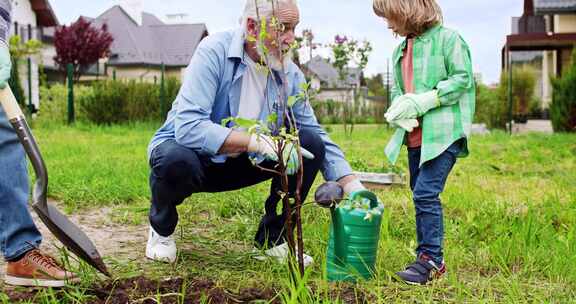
5	8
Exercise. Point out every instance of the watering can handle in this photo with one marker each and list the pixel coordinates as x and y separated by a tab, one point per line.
365	194
340	237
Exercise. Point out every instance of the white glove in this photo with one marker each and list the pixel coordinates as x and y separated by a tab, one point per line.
353	186
263	145
406	124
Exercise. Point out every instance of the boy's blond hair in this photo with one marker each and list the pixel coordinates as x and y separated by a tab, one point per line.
414	16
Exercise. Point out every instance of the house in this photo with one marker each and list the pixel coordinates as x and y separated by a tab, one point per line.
545	34
142	45
29	19
326	79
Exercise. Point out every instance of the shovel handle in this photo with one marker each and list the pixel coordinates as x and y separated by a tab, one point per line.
18	121
9	104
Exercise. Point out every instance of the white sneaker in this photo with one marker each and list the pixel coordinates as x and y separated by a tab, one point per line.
159	248
280	253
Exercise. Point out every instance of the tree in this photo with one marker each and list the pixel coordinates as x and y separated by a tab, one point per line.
346	51
563	107
375	85
523	84
19	51
282	129
82	45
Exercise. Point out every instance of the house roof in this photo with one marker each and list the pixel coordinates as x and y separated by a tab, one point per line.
152	43
554	6
45	16
329	75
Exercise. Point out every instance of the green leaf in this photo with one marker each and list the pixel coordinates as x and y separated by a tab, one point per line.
291	101
225	121
245	123
272	118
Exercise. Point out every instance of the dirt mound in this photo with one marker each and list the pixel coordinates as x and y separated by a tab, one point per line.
147	291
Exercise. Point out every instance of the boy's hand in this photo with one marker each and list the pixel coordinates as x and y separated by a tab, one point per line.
406	124
410	106
403	108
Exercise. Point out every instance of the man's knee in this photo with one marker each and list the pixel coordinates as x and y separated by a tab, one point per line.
176	164
312	142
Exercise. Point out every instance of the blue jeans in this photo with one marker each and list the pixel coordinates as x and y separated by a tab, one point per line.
427	182
18	234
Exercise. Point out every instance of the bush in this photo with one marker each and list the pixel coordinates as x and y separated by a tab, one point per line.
490	108
563	106
333	112
54	104
142	101
113	102
523	84
106	104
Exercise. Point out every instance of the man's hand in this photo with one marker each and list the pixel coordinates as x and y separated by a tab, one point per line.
267	147
5	65
351	184
263	145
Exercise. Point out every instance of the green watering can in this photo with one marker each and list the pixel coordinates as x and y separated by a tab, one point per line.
354	235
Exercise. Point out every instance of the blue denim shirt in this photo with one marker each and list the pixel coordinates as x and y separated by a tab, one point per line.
211	91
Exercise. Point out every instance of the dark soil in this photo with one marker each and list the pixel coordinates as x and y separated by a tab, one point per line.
148	291
177	290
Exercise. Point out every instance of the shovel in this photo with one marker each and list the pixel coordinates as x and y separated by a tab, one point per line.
66	231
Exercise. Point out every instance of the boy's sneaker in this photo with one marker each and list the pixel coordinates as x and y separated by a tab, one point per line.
37	269
422	271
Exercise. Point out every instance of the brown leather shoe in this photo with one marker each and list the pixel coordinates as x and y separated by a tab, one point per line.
37	269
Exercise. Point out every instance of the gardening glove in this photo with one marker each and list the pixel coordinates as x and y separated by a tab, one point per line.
353	186
5	65
265	146
406	124
404	107
293	161
410	106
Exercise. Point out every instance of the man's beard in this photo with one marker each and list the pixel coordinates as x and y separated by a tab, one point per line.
273	62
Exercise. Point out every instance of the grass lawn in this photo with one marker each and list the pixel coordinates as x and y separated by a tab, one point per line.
510	219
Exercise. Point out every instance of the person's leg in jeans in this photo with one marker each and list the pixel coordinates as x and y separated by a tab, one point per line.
18	234
178	172
427	182
413	165
430	182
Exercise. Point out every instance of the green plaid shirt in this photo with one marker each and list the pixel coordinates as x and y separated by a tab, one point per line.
441	61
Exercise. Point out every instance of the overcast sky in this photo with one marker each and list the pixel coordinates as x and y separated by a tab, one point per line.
484	24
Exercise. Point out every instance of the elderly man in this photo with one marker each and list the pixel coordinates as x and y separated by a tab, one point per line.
19	237
192	152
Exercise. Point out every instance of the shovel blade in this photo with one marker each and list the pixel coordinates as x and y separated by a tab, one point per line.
70	235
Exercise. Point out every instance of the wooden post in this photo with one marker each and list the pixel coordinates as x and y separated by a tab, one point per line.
162	92
510	99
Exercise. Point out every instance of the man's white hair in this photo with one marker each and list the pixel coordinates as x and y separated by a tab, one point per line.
258	9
